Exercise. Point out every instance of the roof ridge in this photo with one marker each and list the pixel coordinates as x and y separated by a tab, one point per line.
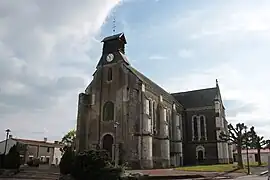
195	90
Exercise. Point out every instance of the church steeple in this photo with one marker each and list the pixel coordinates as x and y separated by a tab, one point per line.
113	49
114	43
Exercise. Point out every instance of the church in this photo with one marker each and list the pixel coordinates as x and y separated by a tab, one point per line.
141	124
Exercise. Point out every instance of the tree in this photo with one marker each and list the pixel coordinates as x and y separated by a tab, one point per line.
237	136
257	142
69	139
267	146
67	160
12	159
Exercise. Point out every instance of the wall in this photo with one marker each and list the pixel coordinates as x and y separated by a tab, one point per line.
44	153
57	156
264	157
210	145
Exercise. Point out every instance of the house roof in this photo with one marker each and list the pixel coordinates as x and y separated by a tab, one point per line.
156	88
197	98
37	143
114	37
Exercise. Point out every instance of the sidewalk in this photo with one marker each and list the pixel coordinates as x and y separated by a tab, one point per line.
170	173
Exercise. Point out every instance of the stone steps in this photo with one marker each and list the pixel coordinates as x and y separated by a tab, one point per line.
32	174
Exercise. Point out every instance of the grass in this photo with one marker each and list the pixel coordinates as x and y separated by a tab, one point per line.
256	165
212	168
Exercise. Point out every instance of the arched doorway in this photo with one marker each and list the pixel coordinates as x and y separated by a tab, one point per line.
200	155
107	143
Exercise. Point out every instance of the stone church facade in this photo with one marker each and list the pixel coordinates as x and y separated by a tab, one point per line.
140	123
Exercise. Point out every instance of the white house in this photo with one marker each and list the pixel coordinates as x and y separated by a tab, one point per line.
48	152
253	155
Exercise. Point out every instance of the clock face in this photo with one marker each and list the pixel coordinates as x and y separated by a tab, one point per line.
110	57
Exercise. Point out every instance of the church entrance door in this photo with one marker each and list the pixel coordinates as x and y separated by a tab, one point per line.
200	155
107	143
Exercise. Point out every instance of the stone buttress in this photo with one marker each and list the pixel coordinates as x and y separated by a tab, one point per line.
164	141
82	122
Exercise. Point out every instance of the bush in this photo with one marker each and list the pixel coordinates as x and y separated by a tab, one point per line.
12	159
2	156
94	165
66	162
33	162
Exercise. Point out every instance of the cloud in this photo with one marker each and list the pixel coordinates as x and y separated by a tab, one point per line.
185	53
47	53
157	57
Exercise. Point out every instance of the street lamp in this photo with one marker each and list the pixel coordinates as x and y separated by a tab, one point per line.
247	150
7	132
116	124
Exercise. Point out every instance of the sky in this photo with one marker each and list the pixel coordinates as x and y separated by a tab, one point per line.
49	51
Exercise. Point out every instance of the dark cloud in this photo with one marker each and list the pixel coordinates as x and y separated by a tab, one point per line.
45	60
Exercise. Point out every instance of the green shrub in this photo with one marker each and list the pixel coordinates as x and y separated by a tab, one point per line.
66	161
95	165
12	159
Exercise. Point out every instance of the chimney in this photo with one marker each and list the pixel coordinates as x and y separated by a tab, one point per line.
10	136
45	139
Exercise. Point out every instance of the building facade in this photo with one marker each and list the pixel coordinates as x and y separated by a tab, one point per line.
140	123
47	152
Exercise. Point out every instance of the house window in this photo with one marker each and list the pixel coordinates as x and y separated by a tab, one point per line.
154	114
109	75
93	98
147	106
195	128
202	124
125	94
165	115
48	149
256	157
108	111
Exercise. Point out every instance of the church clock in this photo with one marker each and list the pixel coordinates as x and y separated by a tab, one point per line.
110	57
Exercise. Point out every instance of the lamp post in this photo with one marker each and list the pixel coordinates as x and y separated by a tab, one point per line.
116	124
7	133
247	151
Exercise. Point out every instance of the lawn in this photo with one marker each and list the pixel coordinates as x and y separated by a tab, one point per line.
256	164
212	168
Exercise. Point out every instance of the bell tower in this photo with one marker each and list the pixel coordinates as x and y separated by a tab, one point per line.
113	49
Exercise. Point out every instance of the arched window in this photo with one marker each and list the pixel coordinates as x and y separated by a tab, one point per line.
202	124
108	111
195	128
109	75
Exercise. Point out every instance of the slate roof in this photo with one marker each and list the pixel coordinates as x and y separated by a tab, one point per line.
116	36
197	98
156	88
